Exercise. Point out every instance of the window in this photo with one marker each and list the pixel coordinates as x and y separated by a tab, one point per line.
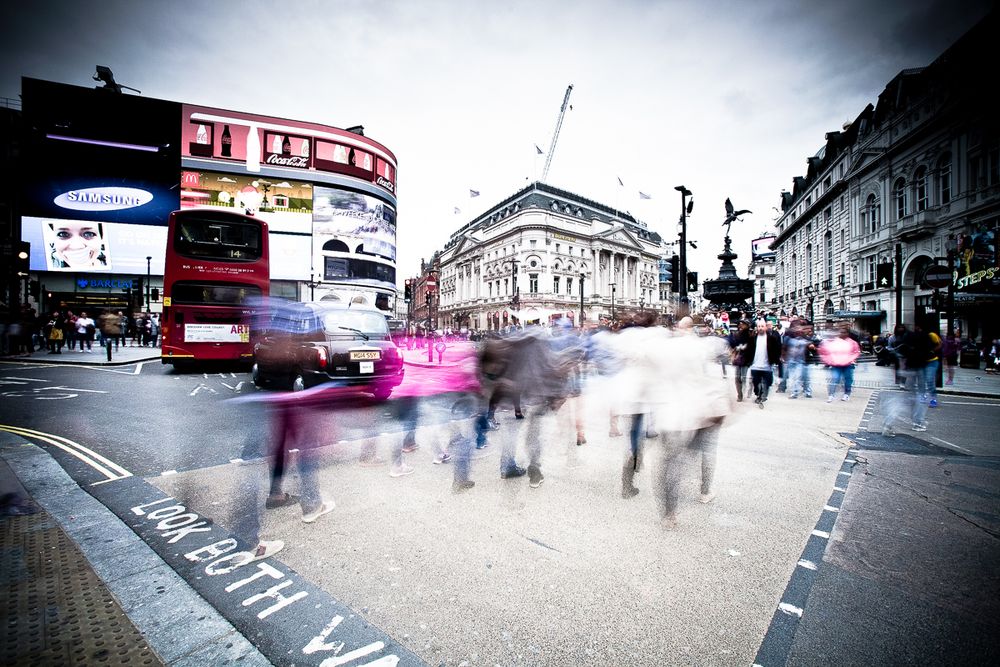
944	179
763	284
920	176
870	269
506	285
899	196
871	215
809	263
984	169
557	247
533	283
828	242
490	286
555	285
532	243
569	286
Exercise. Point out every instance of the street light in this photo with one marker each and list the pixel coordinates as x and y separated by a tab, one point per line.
582	276
148	260
686	209
613	288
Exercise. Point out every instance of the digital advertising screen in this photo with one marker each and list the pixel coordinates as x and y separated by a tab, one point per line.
761	248
354	236
75	246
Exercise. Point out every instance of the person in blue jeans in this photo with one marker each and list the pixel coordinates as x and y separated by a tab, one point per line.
931	369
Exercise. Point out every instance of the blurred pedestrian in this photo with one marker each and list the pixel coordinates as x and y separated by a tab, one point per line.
85	329
839	354
763	351
738	341
110	325
950	349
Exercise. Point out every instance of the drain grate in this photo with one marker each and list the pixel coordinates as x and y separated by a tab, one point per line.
54	610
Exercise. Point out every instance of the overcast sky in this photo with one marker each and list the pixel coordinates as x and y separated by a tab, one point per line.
727	98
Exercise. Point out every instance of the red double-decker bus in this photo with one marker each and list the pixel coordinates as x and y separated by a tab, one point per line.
216	274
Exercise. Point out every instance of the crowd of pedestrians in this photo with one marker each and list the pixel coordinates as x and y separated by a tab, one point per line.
62	330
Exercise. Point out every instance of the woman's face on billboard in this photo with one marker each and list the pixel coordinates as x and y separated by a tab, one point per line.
78	243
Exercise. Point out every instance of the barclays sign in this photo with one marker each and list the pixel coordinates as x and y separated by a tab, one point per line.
104	283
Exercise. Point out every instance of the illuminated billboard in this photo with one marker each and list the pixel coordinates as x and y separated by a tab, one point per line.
75	246
761	248
285	205
262	144
354	237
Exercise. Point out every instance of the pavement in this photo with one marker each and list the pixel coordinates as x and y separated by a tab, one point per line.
98	357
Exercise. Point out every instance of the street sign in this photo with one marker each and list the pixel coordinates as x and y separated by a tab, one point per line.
937	276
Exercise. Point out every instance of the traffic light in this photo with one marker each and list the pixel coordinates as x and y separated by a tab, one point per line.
407	290
692	281
675	274
156	294
35	289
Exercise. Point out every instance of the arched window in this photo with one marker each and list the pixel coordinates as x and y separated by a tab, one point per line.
944	179
871	215
828	307
899	197
920	184
335	245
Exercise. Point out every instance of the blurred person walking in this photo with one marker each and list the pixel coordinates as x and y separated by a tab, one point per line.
762	353
839	354
85	329
931	368
110	328
950	349
738	341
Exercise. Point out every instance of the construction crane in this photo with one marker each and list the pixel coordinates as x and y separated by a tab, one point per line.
555	135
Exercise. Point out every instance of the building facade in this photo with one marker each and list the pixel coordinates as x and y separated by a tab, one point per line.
545	253
119	164
912	182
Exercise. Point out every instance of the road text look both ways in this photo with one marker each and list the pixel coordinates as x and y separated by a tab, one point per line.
285	616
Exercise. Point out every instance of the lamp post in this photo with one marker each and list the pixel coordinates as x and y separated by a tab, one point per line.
148	260
515	300
682	268
951	246
613	288
582	276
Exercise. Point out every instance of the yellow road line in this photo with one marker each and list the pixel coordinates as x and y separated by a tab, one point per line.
108	468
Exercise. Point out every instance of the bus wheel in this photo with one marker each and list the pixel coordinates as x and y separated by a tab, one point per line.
382	393
298	382
257	376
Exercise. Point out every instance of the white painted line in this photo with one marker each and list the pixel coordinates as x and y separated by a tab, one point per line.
236	460
791	610
820	533
952	445
863	439
969	403
830	508
807	564
9	377
850	460
845	474
837	488
167	473
291	451
341	442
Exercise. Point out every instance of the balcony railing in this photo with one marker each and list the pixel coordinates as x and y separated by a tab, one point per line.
827	285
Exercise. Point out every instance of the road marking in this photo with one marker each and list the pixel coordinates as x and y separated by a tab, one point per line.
837	488
106	467
19	380
821	533
846	474
807	564
200	387
789	609
167	473
952	445
236	460
829	508
992	405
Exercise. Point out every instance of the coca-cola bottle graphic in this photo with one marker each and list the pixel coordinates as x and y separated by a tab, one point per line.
286	146
253	148
227	142
276	144
201	136
304	151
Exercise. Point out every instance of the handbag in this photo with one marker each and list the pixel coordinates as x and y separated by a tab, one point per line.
56	334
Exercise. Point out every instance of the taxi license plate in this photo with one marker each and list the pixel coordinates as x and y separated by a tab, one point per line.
366	367
365	355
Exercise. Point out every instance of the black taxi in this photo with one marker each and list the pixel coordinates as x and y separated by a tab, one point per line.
299	345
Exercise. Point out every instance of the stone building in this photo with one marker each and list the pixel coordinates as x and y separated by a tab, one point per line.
912	182
544	253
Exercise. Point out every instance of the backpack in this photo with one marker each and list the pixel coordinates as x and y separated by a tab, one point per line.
916	349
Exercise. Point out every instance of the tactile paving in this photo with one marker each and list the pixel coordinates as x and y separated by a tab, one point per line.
54	610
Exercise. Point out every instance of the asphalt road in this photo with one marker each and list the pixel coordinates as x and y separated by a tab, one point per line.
566	574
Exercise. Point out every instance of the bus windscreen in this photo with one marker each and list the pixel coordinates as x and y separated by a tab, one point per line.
213	238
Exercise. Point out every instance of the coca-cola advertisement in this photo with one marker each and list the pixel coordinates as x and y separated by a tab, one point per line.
267	145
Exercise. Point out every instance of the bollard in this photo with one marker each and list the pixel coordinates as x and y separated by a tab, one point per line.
107	346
